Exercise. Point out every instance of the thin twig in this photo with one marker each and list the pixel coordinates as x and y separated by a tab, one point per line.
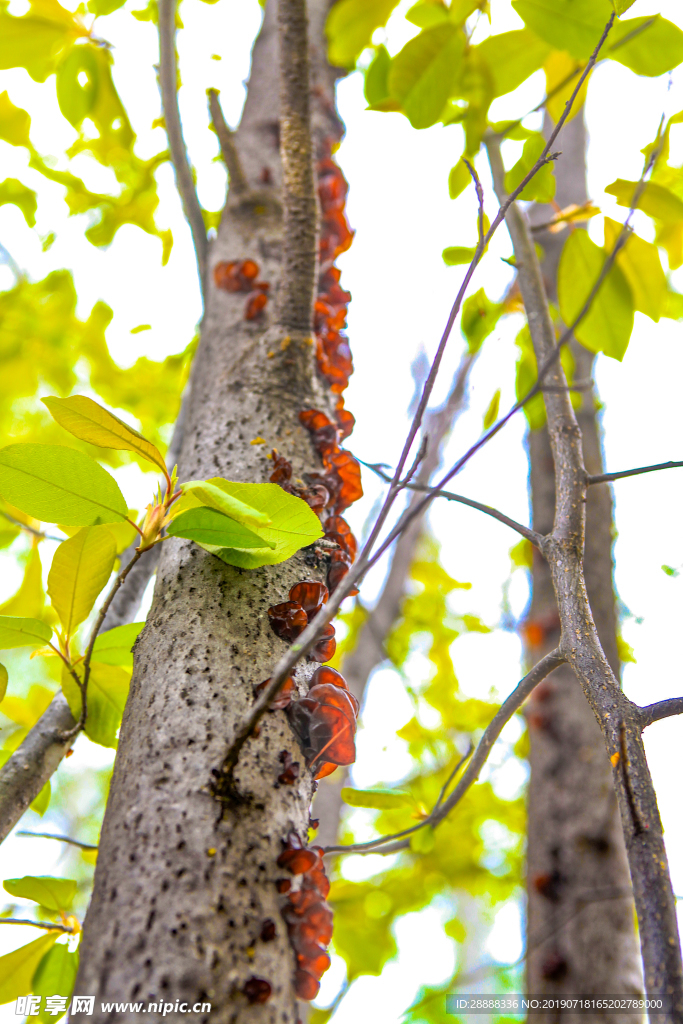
444	789
30	529
38	924
493	730
61	839
227	139
662	709
604	478
531	535
168	84
83	686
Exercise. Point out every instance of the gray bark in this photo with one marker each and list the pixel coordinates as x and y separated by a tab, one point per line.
580	916
184	882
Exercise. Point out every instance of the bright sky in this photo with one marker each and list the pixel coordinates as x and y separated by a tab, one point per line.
402	292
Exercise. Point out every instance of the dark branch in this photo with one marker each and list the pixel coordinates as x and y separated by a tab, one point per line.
662	709
168	84
493	730
604	478
49	927
530	535
61	839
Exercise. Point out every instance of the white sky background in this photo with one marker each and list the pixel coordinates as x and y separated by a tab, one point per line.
399	206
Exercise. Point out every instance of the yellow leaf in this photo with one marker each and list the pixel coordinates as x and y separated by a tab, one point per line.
559	75
91	422
29	600
17	968
4	679
26	711
491	414
80	569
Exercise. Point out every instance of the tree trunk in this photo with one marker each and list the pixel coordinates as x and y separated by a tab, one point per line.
580	916
185	880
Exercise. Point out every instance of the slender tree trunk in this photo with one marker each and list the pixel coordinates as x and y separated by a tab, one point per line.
185	881
580	917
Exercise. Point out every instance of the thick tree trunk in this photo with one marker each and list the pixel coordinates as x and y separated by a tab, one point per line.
184	881
580	918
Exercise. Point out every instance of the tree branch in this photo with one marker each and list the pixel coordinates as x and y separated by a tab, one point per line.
49	927
61	839
662	709
531	535
168	84
226	137
619	719
300	241
493	730
604	478
33	763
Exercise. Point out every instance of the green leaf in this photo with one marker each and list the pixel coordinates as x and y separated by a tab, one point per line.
673	305
573	25
350	26
378	799
13	192
211	493
427	13
53	893
36	40
424	74
455	255
80	569
18	968
294	524
76	98
479	318
377	77
115	647
90	422
512	57
640	264
16	632
107	694
209	526
4	680
56	976
656	49
458	179
423	841
541	188
59	485
100	8
622	5
654	200
14	122
491	414
607	326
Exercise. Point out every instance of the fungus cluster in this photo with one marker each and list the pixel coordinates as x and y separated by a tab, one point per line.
241	276
325	719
